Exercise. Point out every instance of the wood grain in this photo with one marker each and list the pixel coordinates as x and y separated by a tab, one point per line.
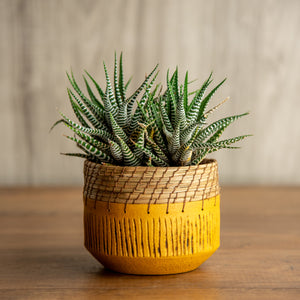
42	254
253	43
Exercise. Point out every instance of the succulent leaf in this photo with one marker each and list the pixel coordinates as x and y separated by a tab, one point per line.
81	155
100	91
193	109
134	96
117	130
92	150
219	125
109	96
121	79
206	100
91	94
97	132
218	145
89	139
116	84
77	113
185	92
129	158
116	151
94	121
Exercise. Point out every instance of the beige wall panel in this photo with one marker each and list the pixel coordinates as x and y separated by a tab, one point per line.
255	44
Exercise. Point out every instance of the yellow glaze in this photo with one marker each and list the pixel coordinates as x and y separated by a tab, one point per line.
147	240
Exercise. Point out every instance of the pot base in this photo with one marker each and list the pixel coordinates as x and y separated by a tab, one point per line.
152	240
153	266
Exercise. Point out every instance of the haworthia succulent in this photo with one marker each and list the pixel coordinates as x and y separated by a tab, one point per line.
163	130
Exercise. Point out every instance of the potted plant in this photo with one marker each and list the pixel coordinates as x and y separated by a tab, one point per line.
151	198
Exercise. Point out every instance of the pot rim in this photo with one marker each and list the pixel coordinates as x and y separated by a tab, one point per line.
207	161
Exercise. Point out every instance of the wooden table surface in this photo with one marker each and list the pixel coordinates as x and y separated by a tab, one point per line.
42	254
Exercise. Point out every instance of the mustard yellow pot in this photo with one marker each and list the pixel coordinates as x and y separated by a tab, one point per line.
151	220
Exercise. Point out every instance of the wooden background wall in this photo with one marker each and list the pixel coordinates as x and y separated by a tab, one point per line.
256	44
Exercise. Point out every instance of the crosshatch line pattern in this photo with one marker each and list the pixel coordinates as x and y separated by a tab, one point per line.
145	236
148	185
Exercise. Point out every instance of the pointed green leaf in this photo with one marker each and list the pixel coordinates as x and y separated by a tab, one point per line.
100	91
77	113
174	144
165	117
96	110
134	96
121	78
205	101
76	155
129	158
97	132
92	150
91	94
185	92
98	144
219	145
116	151
116	85
127	84
109	93
193	108
85	110
221	125
117	130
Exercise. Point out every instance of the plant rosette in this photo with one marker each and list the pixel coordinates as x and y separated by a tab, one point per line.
151	197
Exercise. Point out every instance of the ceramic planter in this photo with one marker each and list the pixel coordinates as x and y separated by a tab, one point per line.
151	220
